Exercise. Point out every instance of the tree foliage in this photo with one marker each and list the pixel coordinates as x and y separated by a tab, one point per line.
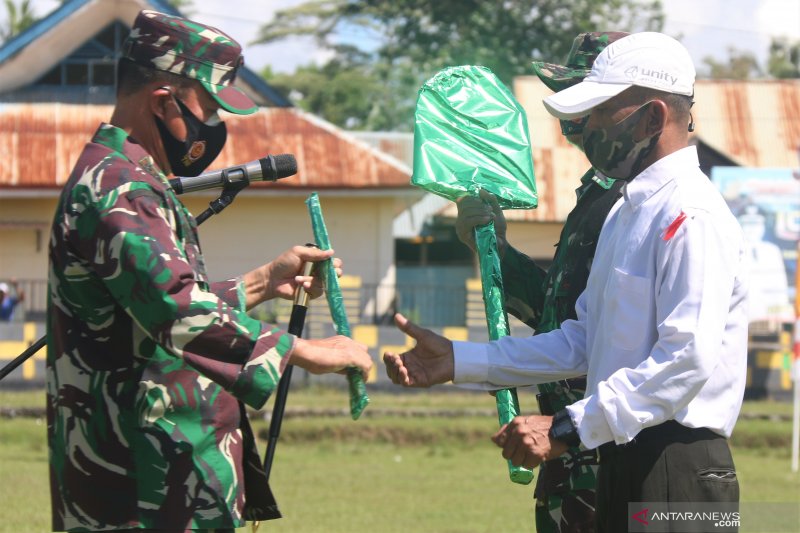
18	18
739	66
402	43
783	63
341	90
784	59
185	7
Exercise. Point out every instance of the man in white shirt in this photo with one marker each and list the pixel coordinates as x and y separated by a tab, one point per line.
661	329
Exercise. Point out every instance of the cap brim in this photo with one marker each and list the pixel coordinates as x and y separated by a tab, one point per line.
558	77
232	99
580	99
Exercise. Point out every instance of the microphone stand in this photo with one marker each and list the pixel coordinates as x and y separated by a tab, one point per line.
296	323
226	197
229	191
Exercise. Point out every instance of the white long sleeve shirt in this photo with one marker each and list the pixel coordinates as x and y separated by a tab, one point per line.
661	329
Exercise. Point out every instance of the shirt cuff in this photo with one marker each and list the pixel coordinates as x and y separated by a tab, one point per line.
260	375
590	421
470	362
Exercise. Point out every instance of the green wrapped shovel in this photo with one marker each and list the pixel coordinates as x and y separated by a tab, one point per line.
470	133
358	390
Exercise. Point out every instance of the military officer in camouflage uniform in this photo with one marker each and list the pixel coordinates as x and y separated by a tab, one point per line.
543	299
149	364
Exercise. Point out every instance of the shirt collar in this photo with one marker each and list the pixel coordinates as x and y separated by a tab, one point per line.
651	179
118	140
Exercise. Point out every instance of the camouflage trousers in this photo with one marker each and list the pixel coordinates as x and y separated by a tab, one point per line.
565	488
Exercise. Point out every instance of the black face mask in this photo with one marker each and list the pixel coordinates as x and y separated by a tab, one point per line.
204	142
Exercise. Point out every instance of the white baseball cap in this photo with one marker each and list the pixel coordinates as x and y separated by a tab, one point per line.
4	287
647	59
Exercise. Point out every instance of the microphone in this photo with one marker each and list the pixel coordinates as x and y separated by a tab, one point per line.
270	168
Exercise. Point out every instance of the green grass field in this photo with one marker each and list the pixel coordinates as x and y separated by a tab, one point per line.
387	472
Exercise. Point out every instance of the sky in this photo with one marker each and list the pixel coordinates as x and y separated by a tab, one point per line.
705	27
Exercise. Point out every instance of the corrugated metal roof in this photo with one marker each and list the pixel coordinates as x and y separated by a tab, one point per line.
755	123
39	144
399	145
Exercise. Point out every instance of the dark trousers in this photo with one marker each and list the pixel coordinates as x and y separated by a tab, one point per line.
664	463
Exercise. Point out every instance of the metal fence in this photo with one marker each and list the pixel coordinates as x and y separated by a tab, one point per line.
434	305
376	304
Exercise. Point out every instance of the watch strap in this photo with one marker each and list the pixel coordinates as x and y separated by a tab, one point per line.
564	429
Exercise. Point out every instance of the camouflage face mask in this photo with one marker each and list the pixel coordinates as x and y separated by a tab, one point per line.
574	126
613	151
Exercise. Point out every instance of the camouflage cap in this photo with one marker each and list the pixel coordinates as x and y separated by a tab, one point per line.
585	49
192	50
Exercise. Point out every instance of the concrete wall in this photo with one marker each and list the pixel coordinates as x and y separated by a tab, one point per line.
253	230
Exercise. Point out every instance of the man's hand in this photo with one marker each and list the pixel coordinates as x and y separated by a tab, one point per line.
333	354
526	441
280	277
430	362
474	212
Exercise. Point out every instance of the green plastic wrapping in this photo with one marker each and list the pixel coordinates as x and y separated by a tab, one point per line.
470	133
497	322
357	387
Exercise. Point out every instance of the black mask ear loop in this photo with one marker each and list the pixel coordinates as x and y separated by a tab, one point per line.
171	93
691	118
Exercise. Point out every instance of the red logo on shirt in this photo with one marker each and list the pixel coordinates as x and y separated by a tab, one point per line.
673	227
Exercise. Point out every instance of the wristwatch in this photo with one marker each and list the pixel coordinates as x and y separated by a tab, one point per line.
564	429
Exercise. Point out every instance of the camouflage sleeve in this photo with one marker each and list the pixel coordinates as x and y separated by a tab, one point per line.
231	291
132	237
523	286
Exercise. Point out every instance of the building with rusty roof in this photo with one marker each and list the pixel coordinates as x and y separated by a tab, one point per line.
51	104
389	234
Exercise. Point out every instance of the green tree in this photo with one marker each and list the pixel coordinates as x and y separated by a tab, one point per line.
341	90
402	43
18	18
739	66
185	7
784	59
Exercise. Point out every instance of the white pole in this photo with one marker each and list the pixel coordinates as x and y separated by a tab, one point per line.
796	414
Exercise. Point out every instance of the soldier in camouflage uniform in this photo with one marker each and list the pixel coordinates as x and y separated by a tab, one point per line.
543	299
150	365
